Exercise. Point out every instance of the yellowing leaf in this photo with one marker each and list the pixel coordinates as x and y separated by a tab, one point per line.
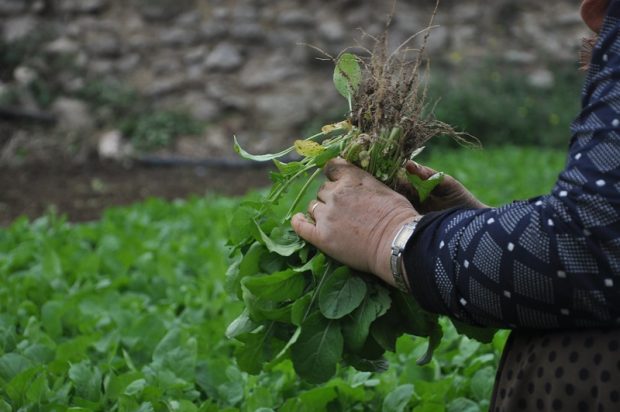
308	148
345	124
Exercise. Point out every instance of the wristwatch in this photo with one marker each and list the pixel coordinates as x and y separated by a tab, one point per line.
398	247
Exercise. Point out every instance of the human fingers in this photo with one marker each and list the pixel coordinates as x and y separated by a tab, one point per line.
312	208
305	228
423	172
336	168
325	193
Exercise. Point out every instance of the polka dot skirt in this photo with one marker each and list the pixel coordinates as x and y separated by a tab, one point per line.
559	371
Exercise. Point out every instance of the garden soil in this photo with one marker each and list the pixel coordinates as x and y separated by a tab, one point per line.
82	193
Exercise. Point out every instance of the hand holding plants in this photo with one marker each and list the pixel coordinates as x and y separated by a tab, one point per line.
447	194
355	219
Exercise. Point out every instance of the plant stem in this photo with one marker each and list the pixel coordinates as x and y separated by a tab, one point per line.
303	191
318	288
273	197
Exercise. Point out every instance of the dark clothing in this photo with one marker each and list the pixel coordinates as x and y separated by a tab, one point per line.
548	267
559	371
549	262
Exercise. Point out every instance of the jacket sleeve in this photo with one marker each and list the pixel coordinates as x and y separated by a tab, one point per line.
548	262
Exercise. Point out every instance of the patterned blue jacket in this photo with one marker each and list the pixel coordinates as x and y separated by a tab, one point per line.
548	262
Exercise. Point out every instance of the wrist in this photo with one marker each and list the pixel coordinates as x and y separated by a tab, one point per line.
382	266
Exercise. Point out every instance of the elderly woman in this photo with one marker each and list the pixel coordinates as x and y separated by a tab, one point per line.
548	268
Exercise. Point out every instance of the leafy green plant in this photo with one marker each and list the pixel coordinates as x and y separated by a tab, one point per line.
300	304
129	312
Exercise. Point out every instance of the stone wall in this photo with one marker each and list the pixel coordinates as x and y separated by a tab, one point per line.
237	65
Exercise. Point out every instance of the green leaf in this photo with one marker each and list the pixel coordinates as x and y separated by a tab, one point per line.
463	405
417	321
241	225
136	387
284	351
242	324
51	317
328	154
316	265
277	287
262	309
178	352
12	364
290	168
86	380
316	353
425	187
259	158
250	263
398	399
313	400
341	293
38	389
300	309
119	383
430	407
283	241
18	387
347	75
482	383
258	348
357	326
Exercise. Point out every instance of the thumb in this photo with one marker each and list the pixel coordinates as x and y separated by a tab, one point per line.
417	169
304	228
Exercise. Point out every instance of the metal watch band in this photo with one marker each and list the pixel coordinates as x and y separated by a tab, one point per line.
398	247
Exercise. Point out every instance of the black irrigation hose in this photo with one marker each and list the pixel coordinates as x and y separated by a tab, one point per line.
17	114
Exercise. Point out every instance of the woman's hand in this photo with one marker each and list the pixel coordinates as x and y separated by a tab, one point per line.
448	194
356	217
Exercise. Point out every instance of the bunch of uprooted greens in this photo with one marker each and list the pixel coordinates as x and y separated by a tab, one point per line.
300	304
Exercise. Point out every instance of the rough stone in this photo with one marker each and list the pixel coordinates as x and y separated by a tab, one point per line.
110	145
213	30
62	45
225	56
72	114
100	66
83	6
103	43
166	63
165	86
10	7
162	10
266	70
18	28
331	30
201	107
24	75
191	18
282	109
195	55
251	32
177	36
295	18
220	58
128	63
